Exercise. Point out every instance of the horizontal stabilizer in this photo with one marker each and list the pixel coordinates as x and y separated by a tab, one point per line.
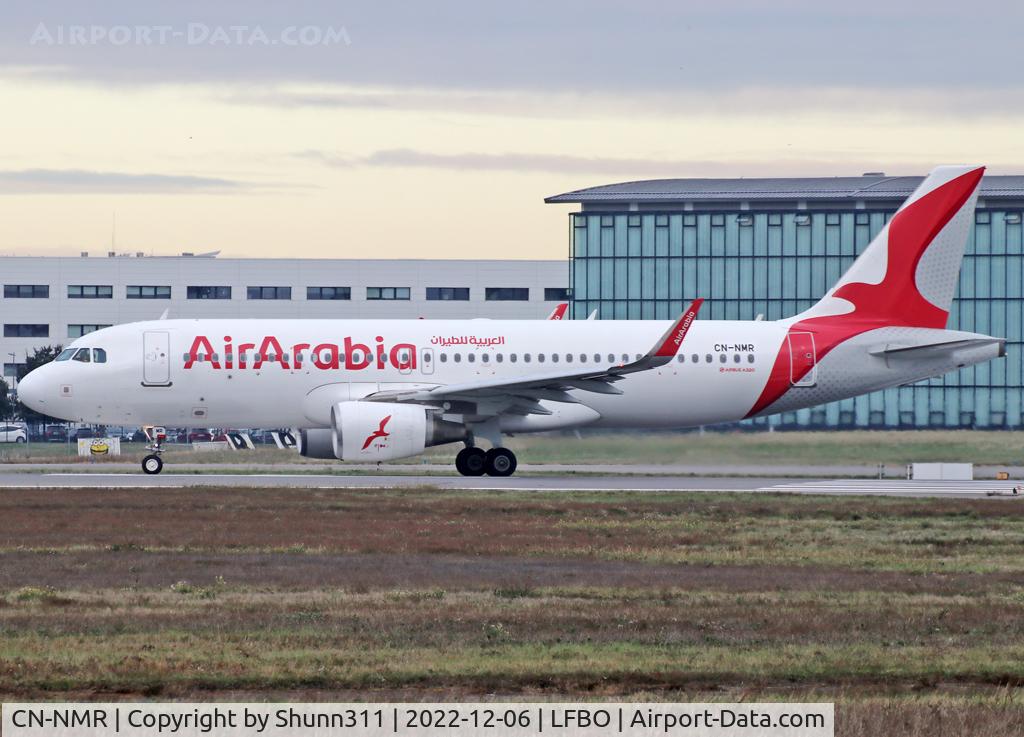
892	351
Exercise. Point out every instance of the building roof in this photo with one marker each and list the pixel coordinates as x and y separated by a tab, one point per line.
875	187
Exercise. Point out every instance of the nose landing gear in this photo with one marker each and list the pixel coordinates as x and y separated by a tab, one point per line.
153	464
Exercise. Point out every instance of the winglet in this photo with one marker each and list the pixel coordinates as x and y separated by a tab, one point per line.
559	312
669	344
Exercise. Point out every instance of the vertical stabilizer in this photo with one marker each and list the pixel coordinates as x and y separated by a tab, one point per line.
909	272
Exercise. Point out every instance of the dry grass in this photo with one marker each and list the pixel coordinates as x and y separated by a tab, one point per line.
910	535
775	448
908	613
712	448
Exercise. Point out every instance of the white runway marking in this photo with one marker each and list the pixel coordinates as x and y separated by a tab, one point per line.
526	484
203	475
899	488
347	482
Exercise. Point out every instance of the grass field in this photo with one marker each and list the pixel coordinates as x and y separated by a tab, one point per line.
908	613
723	448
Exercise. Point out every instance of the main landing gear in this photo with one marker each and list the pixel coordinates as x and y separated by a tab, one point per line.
477	462
153	463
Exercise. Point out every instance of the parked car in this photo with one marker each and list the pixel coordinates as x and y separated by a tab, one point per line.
56	434
84	433
261	436
199	436
13	434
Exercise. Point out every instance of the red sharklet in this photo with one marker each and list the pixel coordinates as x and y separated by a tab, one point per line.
893	302
674	338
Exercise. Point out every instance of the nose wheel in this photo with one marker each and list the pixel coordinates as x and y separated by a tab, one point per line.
152	464
494	462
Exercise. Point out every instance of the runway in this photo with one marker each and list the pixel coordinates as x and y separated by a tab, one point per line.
525	483
566	483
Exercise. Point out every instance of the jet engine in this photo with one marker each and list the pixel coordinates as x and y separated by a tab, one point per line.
378	431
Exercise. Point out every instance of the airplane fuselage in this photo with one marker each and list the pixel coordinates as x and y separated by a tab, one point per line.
289	373
377	390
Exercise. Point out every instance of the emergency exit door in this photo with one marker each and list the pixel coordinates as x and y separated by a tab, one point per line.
156	359
803	364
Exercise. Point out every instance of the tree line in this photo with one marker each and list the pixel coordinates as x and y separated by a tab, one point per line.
11	409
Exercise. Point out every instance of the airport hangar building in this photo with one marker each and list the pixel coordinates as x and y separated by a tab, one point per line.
773	247
53	300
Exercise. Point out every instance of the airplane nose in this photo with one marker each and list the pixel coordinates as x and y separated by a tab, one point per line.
30	391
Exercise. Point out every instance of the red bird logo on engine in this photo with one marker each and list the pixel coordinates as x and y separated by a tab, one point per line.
380	432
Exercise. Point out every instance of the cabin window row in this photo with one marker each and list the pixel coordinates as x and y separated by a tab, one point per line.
470	357
581	358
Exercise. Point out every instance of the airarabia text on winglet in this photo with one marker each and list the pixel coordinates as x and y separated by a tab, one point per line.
325	356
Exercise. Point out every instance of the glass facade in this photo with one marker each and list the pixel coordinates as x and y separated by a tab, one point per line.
648	265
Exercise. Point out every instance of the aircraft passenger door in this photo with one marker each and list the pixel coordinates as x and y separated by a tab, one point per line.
156	358
427	361
803	365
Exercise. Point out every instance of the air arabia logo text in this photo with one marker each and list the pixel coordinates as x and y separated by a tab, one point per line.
349	354
677	339
379	434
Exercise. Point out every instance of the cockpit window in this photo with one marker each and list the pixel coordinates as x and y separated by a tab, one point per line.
83	355
65	354
99	355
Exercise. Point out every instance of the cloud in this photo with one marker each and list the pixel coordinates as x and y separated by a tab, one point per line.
636	168
515	162
83	181
777	100
576	45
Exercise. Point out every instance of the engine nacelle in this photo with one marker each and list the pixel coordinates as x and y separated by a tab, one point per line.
377	431
316	443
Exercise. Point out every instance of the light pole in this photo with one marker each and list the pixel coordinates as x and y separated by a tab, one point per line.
14	379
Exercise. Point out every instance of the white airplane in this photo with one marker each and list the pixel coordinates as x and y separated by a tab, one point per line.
376	390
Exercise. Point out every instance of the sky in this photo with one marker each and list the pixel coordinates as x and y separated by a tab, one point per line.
408	129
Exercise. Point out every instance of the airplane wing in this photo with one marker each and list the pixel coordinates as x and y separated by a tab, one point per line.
522	394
